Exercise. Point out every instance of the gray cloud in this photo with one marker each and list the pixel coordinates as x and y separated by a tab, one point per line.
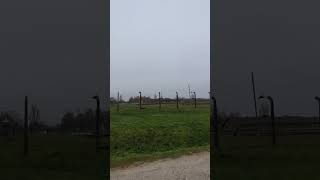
160	46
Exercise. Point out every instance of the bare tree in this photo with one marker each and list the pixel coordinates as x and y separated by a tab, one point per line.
34	118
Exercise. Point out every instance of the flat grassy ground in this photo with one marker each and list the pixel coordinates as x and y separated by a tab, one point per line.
135	136
151	134
254	158
51	158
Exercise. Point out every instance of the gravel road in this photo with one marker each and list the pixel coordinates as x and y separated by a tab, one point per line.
192	167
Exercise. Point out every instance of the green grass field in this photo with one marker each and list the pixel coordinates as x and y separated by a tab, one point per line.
135	136
150	134
51	158
254	158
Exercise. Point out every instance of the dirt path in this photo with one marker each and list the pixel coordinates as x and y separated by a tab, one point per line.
191	167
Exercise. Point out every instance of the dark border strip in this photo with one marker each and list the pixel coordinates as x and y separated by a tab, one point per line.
107	30
212	55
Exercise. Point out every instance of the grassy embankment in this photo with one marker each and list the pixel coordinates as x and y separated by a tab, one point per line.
151	134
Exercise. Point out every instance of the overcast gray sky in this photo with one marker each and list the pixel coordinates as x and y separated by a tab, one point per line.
54	51
160	45
277	39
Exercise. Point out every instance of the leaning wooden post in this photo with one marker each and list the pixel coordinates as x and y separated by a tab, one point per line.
26	127
177	99
254	95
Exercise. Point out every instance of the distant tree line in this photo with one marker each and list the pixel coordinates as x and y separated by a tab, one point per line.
81	121
114	100
12	121
155	100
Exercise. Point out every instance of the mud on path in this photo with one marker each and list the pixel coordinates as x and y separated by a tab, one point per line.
192	167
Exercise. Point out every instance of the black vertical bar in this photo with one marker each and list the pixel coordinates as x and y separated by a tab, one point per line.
140	101
195	100
159	101
254	94
107	30
26	127
212	54
118	103
177	99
